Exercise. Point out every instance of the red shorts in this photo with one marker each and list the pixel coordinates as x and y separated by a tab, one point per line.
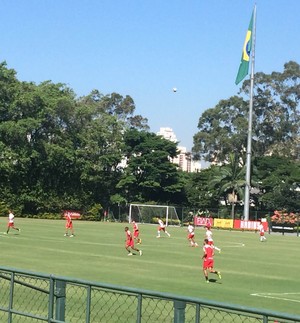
69	225
191	235
262	234
210	243
129	243
161	229
208	263
10	224
136	234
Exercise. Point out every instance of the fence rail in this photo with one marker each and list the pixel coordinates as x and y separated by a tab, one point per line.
27	297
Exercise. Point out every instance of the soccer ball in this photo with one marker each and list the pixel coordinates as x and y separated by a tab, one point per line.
174	89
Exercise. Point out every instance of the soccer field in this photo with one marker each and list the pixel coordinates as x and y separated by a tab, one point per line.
254	274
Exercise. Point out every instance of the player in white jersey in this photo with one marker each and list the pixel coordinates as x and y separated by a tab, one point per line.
191	235
11	220
162	227
208	236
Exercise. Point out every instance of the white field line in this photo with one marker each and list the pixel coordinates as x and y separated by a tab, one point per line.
280	296
234	245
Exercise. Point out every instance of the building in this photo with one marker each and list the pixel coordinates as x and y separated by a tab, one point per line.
184	159
167	133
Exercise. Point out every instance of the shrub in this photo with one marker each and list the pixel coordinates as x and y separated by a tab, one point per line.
284	217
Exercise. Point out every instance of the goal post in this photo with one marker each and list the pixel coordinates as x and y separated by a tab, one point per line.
146	213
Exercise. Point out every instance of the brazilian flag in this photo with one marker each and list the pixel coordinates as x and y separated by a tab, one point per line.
244	65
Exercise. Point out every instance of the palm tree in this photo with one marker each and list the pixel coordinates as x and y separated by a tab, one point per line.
230	180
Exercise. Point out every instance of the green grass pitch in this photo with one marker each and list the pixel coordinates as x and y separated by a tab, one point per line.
256	274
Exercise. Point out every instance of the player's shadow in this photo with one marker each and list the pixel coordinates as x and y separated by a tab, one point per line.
212	280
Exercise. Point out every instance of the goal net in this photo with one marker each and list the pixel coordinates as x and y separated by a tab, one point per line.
144	213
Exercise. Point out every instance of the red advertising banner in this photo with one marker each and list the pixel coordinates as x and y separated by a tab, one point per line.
249	225
74	214
200	221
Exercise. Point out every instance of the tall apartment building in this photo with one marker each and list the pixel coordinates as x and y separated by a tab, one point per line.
184	159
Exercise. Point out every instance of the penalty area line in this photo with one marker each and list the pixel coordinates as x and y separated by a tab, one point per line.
280	296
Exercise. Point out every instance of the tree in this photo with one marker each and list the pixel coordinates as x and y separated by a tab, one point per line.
279	179
223	129
101	141
149	174
199	192
276	119
229	180
33	134
116	105
58	151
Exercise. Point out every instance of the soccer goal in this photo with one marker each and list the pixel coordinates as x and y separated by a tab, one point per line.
145	213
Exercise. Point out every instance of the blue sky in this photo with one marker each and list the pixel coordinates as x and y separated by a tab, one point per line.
144	48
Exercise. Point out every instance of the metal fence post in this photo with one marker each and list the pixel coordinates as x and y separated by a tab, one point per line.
139	308
60	293
179	311
11	296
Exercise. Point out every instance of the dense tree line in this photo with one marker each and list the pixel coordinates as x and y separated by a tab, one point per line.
222	139
58	151
276	119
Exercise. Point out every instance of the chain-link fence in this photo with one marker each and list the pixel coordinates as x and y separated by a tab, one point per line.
30	298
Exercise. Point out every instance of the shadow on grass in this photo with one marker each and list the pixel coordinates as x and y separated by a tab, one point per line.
212	280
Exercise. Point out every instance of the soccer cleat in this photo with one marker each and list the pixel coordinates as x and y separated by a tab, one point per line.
207	281
65	235
157	236
141	252
130	254
196	244
140	241
72	235
219	275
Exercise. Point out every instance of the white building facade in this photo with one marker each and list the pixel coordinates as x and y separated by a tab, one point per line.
184	159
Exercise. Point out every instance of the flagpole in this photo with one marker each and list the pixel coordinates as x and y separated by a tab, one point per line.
249	138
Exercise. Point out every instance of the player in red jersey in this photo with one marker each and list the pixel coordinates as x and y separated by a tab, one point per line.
129	243
69	225
208	260
261	232
136	233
